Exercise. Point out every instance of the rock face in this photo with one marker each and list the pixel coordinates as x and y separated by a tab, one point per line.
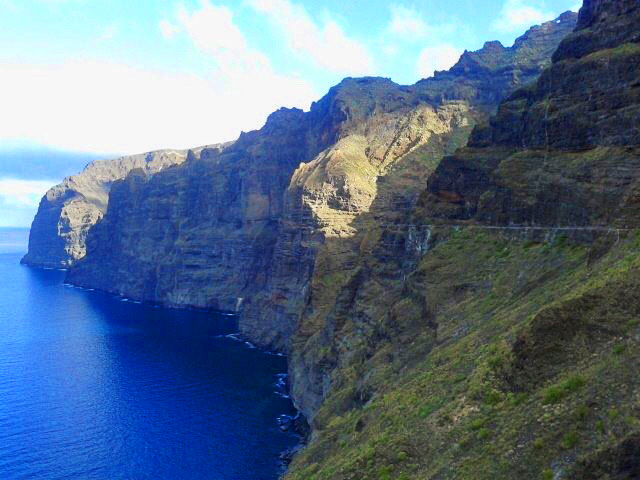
240	229
481	334
485	76
328	197
365	252
449	313
565	150
70	209
307	221
203	234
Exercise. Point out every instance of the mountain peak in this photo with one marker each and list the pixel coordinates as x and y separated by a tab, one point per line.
596	11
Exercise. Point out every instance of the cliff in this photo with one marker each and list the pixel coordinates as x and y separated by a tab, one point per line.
240	230
68	210
563	151
492	331
448	313
484	76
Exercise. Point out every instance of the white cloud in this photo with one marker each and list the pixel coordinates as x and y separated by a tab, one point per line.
518	15
109	32
23	193
326	44
114	108
167	29
437	57
212	30
407	23
576	7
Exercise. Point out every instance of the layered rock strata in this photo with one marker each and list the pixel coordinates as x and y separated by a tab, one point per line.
306	224
495	334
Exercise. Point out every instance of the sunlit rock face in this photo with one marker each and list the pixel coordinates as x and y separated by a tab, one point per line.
304	175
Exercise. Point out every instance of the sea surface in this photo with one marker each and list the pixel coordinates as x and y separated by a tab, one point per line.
95	387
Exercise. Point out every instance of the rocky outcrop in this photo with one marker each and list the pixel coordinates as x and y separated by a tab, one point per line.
70	209
329	197
564	151
484	77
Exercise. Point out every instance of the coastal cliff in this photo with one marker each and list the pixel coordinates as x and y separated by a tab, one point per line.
305	224
448	312
564	150
68	210
240	230
492	332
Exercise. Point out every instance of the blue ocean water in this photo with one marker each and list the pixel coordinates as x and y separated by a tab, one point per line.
92	387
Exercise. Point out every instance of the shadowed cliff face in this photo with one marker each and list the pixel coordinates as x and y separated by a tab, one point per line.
213	232
70	209
357	299
307	222
200	235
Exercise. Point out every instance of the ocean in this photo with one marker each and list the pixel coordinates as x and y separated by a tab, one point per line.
97	387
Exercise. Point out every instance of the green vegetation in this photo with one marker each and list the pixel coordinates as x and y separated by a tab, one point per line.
570	440
624	50
469	393
556	393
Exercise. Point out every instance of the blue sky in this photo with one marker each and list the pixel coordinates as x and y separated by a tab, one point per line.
125	76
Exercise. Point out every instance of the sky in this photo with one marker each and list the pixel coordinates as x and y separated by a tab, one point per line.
99	78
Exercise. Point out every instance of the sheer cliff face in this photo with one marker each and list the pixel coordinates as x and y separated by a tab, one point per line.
236	230
318	231
564	151
244	229
70	209
358	289
202	234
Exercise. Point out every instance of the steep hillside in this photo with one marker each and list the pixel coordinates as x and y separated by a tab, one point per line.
70	209
493	331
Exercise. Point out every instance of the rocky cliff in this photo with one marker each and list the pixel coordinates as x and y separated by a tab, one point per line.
203	234
473	317
70	209
563	151
240	229
492	331
484	76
